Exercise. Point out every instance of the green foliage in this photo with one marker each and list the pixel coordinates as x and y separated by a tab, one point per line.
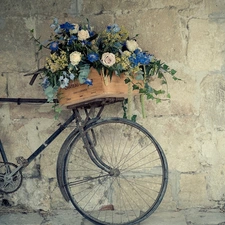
83	73
124	107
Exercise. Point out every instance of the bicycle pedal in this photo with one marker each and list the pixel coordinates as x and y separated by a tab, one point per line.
22	161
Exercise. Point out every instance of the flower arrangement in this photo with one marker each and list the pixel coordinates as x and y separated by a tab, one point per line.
75	48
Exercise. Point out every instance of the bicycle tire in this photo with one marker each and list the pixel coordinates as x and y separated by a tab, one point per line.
136	188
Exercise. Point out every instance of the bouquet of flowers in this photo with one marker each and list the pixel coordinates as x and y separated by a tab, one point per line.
75	49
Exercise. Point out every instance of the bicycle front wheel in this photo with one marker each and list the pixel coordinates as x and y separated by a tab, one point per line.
121	178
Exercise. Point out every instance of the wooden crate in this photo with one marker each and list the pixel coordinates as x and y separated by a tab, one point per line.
78	93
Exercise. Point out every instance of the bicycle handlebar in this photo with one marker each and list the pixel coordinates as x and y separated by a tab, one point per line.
26	100
35	74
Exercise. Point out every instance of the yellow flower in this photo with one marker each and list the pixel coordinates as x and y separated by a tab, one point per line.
56	63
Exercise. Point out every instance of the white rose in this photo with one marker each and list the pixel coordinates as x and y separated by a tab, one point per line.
132	45
108	59
76	28
83	35
75	58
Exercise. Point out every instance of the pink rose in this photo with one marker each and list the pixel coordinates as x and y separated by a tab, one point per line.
108	59
83	35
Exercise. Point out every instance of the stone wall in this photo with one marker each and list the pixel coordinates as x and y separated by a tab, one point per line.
187	34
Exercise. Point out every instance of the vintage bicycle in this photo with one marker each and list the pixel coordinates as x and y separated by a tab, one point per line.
112	170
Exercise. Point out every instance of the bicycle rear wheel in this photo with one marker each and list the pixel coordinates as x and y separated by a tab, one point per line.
136	183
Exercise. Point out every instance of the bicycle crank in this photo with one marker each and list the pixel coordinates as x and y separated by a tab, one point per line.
9	183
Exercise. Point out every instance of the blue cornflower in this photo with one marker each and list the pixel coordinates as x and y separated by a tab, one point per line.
86	42
143	58
92	57
91	33
45	83
54	46
55	26
140	57
67	26
114	28
64	81
88	81
133	60
72	38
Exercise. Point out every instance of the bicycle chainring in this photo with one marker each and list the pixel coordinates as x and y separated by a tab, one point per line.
9	183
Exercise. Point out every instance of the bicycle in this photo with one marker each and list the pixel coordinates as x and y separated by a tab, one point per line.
112	170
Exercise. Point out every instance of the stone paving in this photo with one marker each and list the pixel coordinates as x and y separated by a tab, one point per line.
193	216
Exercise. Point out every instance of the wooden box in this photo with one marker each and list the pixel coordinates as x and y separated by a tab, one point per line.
78	93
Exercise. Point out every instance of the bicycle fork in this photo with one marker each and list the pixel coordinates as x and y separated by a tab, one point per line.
89	140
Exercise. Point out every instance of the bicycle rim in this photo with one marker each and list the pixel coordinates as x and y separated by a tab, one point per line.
138	179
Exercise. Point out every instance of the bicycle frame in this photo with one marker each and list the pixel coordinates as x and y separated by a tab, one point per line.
88	139
80	127
38	151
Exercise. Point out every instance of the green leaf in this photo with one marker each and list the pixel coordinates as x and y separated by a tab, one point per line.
164	82
165	67
159	92
175	78
173	71
142	91
50	93
40	47
135	87
150	96
83	73
133	118
139	77
127	80
168	95
148	88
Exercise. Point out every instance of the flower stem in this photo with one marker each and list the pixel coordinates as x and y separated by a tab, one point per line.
129	106
105	77
142	97
143	105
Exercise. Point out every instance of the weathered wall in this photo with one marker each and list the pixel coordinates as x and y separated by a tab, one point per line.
188	34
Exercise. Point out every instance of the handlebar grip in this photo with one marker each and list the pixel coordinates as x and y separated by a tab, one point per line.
33	78
35	74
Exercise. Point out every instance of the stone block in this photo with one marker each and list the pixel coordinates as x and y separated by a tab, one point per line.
180	92
3	85
205	45
215	182
215	10
193	191
26	8
160	37
177	140
22	218
170	198
19	87
99	7
57	199
34	193
213	100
